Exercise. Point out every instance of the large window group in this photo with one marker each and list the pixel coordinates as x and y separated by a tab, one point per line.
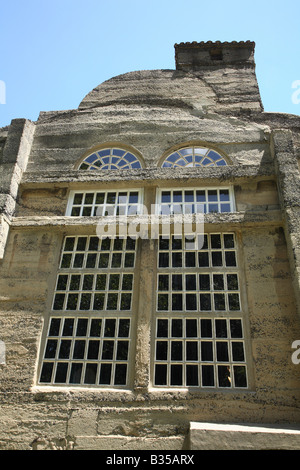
197	328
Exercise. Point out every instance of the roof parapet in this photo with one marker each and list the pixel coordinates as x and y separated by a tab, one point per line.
191	56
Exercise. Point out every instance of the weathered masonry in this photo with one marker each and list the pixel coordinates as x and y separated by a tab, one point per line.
122	326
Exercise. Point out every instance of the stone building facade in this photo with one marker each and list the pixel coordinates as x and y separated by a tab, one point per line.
150	262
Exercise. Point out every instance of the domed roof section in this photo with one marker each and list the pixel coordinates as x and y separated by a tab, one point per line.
158	88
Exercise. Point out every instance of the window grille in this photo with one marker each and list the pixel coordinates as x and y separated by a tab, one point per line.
90	327
110	159
193	157
199	333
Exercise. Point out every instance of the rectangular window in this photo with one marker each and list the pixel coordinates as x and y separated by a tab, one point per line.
195	200
105	203
199	334
89	331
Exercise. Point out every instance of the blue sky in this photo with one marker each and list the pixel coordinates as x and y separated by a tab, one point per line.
54	52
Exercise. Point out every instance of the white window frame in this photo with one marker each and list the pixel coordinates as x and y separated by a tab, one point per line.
62	312
111	207
198	314
173	189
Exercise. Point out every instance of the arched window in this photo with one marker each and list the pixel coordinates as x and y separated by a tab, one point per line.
193	156
110	159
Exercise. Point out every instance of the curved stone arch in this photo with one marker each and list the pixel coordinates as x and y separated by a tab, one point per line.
193	154
110	156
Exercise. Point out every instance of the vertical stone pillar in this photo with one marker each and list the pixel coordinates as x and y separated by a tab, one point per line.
288	177
14	162
146	280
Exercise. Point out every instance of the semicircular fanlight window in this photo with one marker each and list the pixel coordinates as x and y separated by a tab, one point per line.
194	156
110	159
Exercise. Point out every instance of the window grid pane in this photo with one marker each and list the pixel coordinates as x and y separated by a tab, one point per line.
89	332
195	350
195	200
110	159
205	353
193	157
92	351
105	203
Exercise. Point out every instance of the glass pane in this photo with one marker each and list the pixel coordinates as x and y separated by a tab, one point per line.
162	328
191	328
177	302
162	302
204	281
236	329
238	351
108	349
208	379
228	240
46	372
112	302
205	302
176	351
110	325
222	351
105	374
161	350
176	374
176	260
176	328
54	327
191	302
160	377
234	302
206	351
190	282
90	373
192	378
93	349
218	282
124	326
79	349
206	329
177	282
95	327
68	327
75	376
230	258
120	374
203	259
221	329
62	282
224	376
125	302
191	351
81	327
163	282
100	282
163	260
122	351
61	372
51	349
232	282
240	377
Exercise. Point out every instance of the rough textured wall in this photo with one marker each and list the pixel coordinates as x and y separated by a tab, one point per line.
211	98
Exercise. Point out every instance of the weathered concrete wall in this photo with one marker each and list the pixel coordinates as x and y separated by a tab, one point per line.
152	111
